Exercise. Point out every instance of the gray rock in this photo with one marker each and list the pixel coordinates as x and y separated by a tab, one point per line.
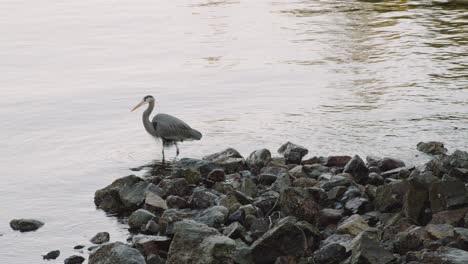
258	159
151	228
139	219
375	179
203	166
299	203
173	201
390	196
447	194
440	231
154	203
353	225
266	201
331	254
446	255
108	198
336	192
304	182
172	216
75	259
285	239
337	161
234	230
51	255
408	240
217	175
177	187
451	217
151	245
155	259
416	197
133	196
358	205
266	179
100	238
292	153
336	180
358	169
370	252
342	239
315	170
202	198
248	187
229	159
214	216
282	182
330	216
431	147
191	175
387	164
25	225
116	253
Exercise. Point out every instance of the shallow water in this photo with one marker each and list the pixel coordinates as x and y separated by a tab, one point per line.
339	77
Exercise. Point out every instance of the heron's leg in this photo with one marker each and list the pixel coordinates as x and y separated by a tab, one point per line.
163	156
177	149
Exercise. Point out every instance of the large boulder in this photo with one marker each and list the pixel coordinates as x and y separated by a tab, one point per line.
229	159
447	194
285	239
432	147
358	169
133	196
292	153
258	159
116	253
390	196
25	225
108	198
415	200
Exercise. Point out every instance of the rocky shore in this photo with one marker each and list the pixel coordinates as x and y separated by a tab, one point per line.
226	208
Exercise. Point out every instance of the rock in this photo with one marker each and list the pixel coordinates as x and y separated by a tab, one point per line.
51	255
343	240
298	172
203	166
387	164
375	179
139	219
335	193
100	238
75	259
331	254
446	255
25	225
248	187
259	226
451	217
358	169
304	182
390	196
79	247
217	175
133	196
266	201
116	253
292	153
447	194
173	201
266	179
415	199
440	231
336	180
172	216
234	230
358	205
155	259
191	175
432	147
337	161
285	239
315	170
353	225
214	216
230	202
202	198
151	245
282	182
229	159
108	198
176	187
461	235
408	240
299	203
329	216
258	159
370	252
197	243
151	228
154	203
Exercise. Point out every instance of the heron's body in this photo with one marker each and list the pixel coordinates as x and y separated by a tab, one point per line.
169	129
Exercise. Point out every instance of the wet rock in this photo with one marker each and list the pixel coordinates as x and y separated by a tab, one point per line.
133	196
353	225
108	198
292	153
51	255
266	179
229	159
299	203
173	201
100	238
390	196
25	225
258	159
176	187
337	161
358	169
331	254
217	175
370	252
440	231
283	240
79	246
75	259
387	164
202	198
154	203
203	166
451	217
432	147
116	253
139	219
446	255
151	245
447	194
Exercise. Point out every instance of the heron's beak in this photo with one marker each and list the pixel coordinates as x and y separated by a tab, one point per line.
138	105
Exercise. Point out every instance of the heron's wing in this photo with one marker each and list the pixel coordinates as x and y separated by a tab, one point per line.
174	129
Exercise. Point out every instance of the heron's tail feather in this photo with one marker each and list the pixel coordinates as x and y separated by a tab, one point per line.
196	134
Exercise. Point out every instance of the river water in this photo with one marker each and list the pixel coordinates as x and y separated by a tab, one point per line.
339	77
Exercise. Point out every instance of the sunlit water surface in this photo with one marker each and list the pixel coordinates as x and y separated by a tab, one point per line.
339	77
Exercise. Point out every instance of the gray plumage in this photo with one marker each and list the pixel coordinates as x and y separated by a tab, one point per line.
168	128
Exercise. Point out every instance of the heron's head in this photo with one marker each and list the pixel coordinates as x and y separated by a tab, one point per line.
146	100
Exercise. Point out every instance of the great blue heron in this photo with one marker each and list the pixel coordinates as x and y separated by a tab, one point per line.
166	127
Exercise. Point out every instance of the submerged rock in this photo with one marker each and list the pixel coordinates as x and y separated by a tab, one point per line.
51	255
432	147
75	259
100	238
292	153
116	253
25	225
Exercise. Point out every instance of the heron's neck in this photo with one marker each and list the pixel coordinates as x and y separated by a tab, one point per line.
146	119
